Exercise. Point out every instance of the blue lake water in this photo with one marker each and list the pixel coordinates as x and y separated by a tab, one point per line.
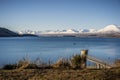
13	49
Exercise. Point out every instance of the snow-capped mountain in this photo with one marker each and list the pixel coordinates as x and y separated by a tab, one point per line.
83	30
87	30
69	31
92	31
29	32
110	29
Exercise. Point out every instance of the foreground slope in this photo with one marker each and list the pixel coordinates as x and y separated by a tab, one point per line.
61	74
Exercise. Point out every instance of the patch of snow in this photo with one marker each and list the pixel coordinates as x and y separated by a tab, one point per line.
70	31
83	30
92	30
87	30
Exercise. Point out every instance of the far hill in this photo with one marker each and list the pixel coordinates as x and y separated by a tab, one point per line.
7	33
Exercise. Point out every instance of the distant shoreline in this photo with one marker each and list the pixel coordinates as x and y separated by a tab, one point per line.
27	35
8	33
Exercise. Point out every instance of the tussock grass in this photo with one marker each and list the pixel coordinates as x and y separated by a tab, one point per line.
63	69
10	66
25	63
61	74
76	61
117	62
62	63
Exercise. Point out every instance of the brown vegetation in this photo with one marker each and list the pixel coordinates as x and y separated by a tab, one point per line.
61	74
63	69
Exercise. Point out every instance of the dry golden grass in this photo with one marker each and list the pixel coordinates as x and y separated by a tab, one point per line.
61	70
61	74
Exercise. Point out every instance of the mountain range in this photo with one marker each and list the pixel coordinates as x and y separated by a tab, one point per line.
108	31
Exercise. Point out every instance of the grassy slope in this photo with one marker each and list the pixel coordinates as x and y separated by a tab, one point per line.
60	74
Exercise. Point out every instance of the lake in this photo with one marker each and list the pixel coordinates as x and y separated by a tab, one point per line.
12	49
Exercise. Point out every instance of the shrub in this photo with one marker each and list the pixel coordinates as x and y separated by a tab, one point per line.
76	61
23	64
117	62
62	63
32	66
10	66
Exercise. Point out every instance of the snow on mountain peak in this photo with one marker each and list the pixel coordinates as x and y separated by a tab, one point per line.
110	29
92	30
71	31
87	30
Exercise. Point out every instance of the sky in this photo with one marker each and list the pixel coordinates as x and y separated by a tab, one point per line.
41	15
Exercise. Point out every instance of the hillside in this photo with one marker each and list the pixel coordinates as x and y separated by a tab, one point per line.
7	33
61	74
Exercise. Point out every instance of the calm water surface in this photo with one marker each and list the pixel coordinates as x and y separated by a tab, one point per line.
13	49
